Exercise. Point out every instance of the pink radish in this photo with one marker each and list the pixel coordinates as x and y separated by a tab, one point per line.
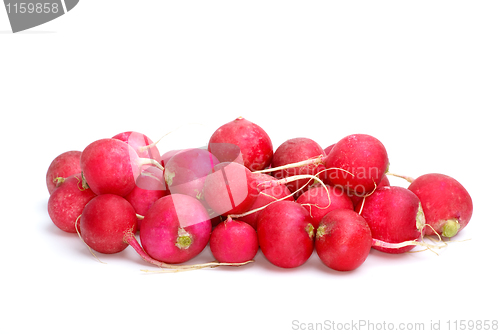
167	156
395	217
297	150
446	203
343	240
104	222
142	144
230	189
185	172
320	200
234	241
175	229
266	196
111	166
67	201
242	141
364	157
150	186
286	234
64	165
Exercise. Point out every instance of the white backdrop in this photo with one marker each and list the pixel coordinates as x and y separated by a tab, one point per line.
423	77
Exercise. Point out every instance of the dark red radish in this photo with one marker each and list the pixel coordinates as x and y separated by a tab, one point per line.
234	241
297	150
67	201
357	199
319	200
64	165
230	189
328	149
142	144
343	240
111	166
242	137
286	234
175	229
395	216
150	186
446	203
185	172
364	157
266	196
105	221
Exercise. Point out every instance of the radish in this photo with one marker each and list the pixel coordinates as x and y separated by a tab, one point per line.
320	200
149	187
230	189
142	144
112	166
328	149
242	141
67	201
175	229
234	241
266	196
185	172
364	156
357	199
167	155
395	217
343	240
297	150
105	221
446	203
64	165
286	234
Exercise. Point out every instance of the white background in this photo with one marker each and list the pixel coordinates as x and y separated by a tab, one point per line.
423	77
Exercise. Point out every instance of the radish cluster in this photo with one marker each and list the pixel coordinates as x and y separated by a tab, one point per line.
240	195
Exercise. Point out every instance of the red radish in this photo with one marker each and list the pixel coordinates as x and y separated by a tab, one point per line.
446	203
328	149
111	166
343	240
286	234
357	199
234	241
297	150
142	144
395	216
364	157
175	229
150	186
266	196
64	165
319	200
185	172
242	137
105	221
230	189
67	201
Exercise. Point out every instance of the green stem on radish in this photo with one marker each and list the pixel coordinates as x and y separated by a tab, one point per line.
130	239
451	228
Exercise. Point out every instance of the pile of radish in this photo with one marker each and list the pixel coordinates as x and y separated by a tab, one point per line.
240	195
